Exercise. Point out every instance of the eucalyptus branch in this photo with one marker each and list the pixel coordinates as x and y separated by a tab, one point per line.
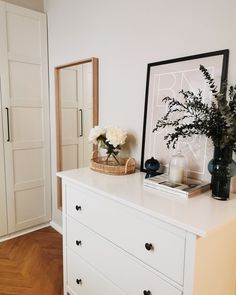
216	120
209	79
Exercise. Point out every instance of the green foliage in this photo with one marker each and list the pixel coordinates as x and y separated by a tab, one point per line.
216	120
110	149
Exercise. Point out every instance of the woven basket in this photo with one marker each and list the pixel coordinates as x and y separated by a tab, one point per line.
125	166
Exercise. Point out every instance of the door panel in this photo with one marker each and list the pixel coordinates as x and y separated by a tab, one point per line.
69	118
69	124
18	88
32	196
23	68
26	124
87	105
23	32
28	165
87	86
87	146
3	207
68	85
69	156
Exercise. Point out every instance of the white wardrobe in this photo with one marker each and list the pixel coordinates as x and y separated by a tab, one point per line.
25	193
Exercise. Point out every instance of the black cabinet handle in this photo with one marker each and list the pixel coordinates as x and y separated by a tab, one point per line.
78	208
148	246
8	124
79	281
81	123
78	243
147	292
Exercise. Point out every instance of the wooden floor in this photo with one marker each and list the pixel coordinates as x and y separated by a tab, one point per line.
32	264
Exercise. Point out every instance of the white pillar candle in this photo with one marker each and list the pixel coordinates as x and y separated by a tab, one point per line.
176	174
176	168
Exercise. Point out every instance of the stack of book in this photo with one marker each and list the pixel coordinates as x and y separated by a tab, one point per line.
189	188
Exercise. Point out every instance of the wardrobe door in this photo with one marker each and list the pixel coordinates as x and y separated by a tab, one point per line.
25	101
76	98
3	206
85	100
69	118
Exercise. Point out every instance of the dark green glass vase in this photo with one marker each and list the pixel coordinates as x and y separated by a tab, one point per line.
222	167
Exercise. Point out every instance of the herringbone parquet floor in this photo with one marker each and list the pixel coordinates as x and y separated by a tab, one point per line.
32	264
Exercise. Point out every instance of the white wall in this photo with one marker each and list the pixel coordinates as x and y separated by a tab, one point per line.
126	35
31	4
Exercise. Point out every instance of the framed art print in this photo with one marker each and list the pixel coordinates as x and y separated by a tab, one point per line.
168	78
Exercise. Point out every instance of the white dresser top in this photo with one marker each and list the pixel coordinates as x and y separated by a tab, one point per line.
199	215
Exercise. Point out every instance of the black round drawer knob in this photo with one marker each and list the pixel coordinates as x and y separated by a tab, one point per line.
78	243
79	281
148	246
78	208
147	292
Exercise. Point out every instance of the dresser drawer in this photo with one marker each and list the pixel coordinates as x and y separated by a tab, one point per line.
159	245
115	264
82	279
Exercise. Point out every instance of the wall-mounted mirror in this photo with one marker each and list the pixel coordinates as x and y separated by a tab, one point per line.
76	114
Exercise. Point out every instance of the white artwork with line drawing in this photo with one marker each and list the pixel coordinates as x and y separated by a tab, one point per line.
167	80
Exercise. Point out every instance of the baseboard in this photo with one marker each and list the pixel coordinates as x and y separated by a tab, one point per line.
57	227
23	232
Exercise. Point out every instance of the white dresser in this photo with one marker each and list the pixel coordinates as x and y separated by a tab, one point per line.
123	238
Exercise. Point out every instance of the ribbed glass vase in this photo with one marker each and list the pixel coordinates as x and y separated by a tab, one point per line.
222	167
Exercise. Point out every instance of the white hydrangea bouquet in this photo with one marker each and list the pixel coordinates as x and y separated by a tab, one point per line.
111	139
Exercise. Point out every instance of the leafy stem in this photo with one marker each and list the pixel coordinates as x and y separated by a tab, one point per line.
215	120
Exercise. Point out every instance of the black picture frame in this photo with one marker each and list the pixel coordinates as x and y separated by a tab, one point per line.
217	61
